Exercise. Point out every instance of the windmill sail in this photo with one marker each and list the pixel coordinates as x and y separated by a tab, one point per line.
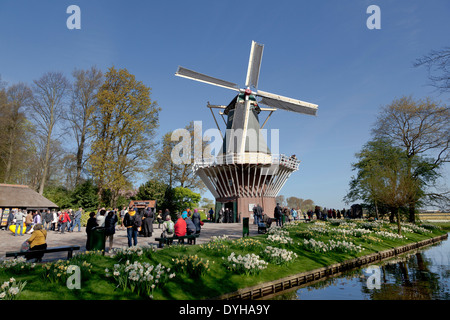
280	102
254	65
193	75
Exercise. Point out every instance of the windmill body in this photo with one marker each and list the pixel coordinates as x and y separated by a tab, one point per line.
245	172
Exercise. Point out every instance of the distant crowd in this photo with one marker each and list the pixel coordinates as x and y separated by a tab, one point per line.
286	214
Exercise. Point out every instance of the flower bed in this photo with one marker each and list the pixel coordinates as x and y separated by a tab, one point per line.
192	265
141	278
249	264
10	290
278	256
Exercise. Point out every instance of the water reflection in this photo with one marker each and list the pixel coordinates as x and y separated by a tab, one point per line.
422	275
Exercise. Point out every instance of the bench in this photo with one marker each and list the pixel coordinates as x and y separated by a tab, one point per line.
69	249
169	240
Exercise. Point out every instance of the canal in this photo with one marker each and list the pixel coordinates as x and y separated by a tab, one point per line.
418	275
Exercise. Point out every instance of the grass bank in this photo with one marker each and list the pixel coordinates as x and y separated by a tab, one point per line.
212	269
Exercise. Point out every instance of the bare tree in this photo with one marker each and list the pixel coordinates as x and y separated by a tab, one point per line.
307	204
420	128
438	66
294	202
79	116
281	200
48	106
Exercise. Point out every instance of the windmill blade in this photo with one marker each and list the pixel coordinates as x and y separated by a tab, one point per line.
193	75
254	65
284	103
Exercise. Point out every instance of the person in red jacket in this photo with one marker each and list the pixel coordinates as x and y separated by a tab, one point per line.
180	226
64	218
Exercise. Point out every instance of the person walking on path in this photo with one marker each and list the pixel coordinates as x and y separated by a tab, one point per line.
54	221
64	219
37	218
28	221
132	222
110	227
77	220
159	219
18	217
10	220
122	216
91	223
277	213
294	214
147	224
211	214
71	220
196	219
47	218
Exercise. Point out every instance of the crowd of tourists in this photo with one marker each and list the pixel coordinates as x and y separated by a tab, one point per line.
134	220
58	221
140	222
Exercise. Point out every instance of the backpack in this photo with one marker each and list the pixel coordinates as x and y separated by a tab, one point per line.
170	227
137	221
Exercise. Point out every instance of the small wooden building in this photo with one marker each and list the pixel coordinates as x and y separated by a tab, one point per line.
142	204
21	197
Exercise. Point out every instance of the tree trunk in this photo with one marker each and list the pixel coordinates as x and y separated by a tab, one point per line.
412	212
396	211
376	211
80	159
100	193
8	163
114	198
46	161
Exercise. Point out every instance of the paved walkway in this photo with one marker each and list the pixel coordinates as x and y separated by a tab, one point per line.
9	242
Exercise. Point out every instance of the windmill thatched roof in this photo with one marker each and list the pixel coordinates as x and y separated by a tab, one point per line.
22	197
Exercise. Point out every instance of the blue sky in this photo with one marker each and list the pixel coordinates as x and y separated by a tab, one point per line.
316	51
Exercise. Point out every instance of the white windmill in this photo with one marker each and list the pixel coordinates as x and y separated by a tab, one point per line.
245	172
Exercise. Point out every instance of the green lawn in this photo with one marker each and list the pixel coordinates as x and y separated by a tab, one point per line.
216	279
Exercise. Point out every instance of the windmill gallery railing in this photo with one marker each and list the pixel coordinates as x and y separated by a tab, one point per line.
249	158
247	175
